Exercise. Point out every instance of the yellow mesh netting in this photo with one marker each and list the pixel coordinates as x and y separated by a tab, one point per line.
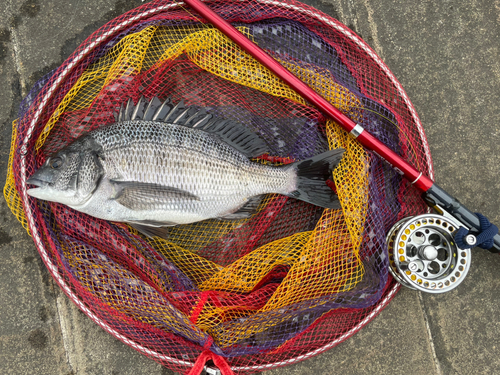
10	193
125	59
322	261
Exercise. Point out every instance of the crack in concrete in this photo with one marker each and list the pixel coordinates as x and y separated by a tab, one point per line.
351	9
64	333
429	334
373	28
17	60
23	80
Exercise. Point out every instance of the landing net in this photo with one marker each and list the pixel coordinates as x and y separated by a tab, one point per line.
284	285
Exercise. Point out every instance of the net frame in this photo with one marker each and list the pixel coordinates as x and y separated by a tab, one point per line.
123	22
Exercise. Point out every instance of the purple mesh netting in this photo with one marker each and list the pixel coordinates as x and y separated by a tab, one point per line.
144	281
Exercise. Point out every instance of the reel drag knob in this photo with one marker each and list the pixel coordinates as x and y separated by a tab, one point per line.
424	256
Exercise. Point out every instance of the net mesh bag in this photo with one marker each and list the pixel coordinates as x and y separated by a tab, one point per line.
289	282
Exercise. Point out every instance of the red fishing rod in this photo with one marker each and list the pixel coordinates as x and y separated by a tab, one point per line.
478	231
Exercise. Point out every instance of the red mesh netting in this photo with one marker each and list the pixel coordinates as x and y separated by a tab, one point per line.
284	285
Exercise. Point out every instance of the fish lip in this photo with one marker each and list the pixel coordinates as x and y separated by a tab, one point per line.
36	181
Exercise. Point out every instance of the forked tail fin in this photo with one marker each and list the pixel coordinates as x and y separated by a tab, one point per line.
312	175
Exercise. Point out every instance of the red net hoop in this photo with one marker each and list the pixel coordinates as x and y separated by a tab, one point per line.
279	288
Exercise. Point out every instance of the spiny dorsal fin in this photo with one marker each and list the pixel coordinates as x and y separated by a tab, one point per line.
138	112
127	110
162	110
118	116
231	132
151	109
175	110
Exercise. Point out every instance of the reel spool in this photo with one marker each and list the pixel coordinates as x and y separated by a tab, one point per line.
423	254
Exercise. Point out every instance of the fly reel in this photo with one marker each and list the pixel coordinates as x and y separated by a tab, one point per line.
423	254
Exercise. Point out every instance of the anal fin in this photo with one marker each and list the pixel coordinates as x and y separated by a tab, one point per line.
158	229
247	210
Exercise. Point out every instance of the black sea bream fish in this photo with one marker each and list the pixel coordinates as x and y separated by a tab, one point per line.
162	164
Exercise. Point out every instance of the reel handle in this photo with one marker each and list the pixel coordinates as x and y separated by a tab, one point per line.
439	199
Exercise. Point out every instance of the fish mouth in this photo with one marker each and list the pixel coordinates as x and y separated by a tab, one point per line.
40	186
36	181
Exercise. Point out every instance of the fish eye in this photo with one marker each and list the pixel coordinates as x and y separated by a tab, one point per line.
56	163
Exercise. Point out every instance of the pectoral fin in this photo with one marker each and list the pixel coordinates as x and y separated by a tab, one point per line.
145	196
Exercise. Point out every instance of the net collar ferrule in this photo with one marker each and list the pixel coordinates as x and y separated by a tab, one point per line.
357	130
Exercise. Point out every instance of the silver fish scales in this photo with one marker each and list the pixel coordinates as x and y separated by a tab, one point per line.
212	178
165	165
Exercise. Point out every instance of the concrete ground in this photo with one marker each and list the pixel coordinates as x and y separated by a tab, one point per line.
446	55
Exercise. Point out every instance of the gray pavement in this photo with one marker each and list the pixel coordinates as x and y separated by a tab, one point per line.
446	55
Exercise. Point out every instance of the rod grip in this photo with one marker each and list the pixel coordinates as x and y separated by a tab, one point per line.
436	196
